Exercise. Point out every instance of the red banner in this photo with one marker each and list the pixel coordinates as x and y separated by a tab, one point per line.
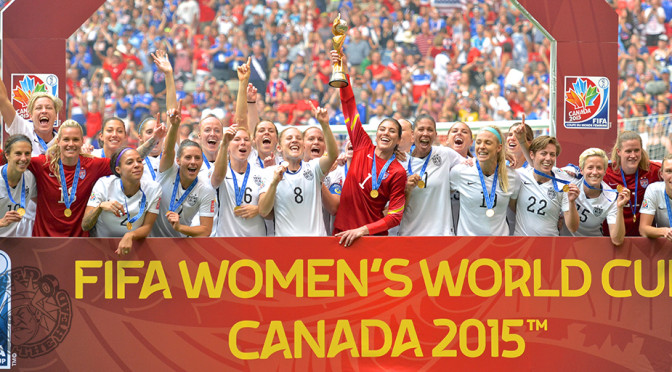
403	304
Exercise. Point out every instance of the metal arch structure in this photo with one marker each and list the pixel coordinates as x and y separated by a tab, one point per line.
34	36
584	42
583	35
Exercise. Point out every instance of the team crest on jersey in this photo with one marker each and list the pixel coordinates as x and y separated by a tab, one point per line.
82	174
644	182
192	199
551	193
436	160
257	181
308	174
597	211
386	174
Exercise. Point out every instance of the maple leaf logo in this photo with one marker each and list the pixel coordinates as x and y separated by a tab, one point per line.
580	96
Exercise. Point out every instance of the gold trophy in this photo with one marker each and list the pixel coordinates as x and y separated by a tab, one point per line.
339	29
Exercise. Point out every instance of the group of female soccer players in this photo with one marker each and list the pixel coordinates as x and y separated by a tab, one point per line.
250	180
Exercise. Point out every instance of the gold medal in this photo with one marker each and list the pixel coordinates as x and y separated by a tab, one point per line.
374	193
21	211
237	208
421	184
67	212
129	226
565	188
634	218
490	212
619	188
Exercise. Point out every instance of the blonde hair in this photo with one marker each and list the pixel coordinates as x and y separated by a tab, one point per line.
667	157
593	151
54	151
628	135
58	104
501	159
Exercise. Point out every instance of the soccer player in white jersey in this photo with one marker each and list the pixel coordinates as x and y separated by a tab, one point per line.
238	185
237	182
597	201
486	188
122	205
184	193
293	190
43	109
18	190
544	194
428	203
656	210
460	139
333	183
112	137
148	125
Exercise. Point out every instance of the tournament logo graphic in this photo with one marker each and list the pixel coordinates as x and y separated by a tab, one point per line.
41	312
586	102
24	85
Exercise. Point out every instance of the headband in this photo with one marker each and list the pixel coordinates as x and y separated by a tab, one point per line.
493	131
120	154
143	123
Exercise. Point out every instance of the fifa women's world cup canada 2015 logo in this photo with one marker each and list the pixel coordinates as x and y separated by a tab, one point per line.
586	102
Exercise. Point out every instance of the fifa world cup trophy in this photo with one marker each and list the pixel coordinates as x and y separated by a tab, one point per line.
339	29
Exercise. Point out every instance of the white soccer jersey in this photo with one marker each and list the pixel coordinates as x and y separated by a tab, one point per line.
228	224
151	163
428	210
539	206
201	200
654	204
298	201
23	228
26	127
98	153
109	189
256	162
593	211
334	182
205	173
473	221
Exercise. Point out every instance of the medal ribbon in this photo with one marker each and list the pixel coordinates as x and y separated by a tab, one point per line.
174	204
143	203
377	178
9	192
553	179
669	210
424	166
240	191
261	163
68	198
206	161
633	206
151	169
489	197
598	188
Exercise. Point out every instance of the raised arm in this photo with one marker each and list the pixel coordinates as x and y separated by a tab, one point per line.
267	199
322	116
174	119
6	108
252	112
222	161
617	230
356	132
163	64
241	101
